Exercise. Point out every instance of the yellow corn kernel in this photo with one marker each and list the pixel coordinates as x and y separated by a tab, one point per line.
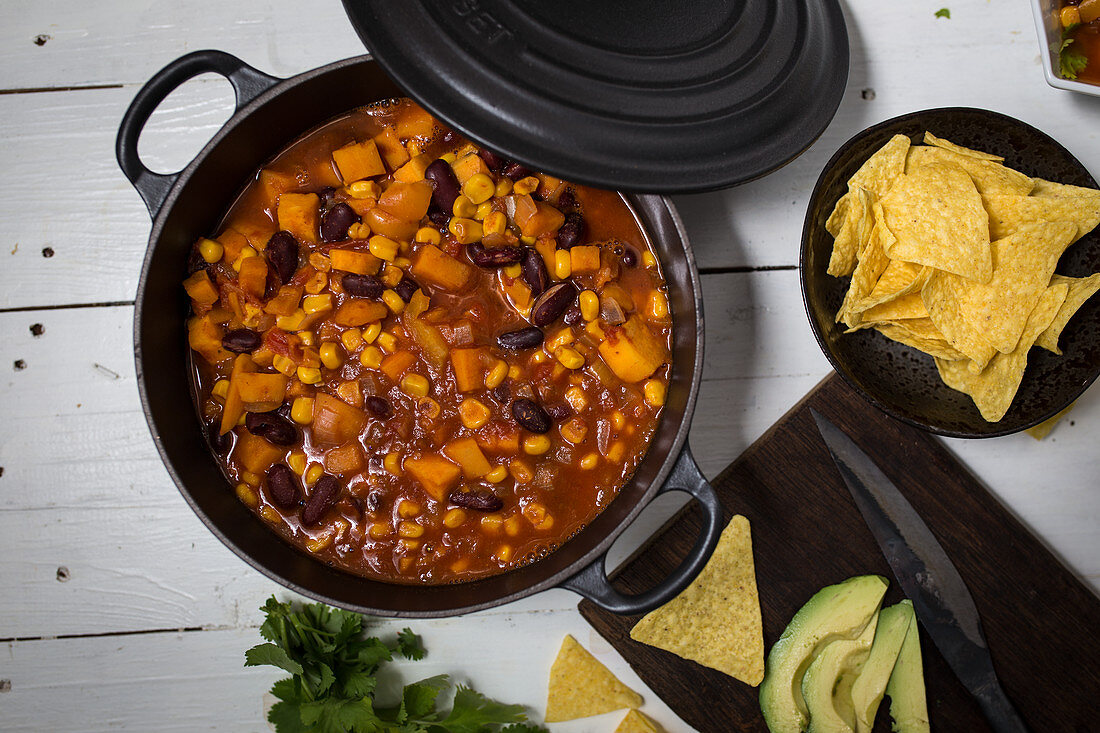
563	264
520	471
221	388
316	283
383	248
617	420
352	339
210	250
415	385
359	230
306	337
410	530
538	357
405	564
378	530
503	553
496	475
407	509
314	473
393	301
371	357
478	189
317	303
514	372
562	337
427	235
463	207
246	252
250	478
365	189
658	305
370	333
529	241
331	356
449	157
574	430
535	513
464	229
350	392
309	375
408	545
319	543
493	379
392	464
503	187
526	185
270	515
402	262
513	271
454	518
460	565
392	275
247	495
1070	16
655	392
284	365
570	358
240	420
494	223
428	408
536	445
615	452
297	462
590	305
388	342
473	413
648	260
512	525
292	322
491	523
483	210
320	262
301	410
589	461
576	398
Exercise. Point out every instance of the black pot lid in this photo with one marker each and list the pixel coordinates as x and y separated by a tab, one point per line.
648	95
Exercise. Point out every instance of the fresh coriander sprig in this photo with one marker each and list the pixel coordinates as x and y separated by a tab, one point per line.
335	669
1070	60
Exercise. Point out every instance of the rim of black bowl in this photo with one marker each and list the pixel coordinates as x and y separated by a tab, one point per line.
819	336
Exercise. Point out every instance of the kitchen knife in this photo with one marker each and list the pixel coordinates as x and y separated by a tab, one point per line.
940	597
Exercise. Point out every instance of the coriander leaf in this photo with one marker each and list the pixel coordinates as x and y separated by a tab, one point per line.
359	683
286	718
358	716
326	678
1070	61
287	689
262	654
944	13
523	728
370	652
410	644
324	716
418	698
472	712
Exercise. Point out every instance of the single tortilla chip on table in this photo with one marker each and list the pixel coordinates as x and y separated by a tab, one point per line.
937	219
943	310
869	268
715	621
995	387
1023	265
1043	429
988	176
638	722
1080	290
939	142
1009	213
921	334
580	686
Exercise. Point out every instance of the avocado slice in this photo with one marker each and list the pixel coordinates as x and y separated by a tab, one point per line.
839	611
868	687
908	706
830	707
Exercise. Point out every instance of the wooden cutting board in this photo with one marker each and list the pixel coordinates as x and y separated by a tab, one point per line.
1042	623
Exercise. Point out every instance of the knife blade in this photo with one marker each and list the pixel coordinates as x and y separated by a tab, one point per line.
940	597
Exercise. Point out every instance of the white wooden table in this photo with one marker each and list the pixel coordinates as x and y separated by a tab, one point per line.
118	609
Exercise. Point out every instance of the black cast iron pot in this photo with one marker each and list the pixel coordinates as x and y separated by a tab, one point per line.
271	113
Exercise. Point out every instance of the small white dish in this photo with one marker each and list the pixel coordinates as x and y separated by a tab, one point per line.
1050	37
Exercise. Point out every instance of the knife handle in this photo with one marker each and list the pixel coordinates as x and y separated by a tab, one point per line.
998	709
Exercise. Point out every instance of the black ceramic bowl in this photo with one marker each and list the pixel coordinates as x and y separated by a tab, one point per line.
902	381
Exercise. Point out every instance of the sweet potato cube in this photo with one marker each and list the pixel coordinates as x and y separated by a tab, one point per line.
518	292
255	454
466	453
585	259
299	214
394	365
323	173
414	169
344	460
469	374
545	220
274	183
232	242
234	406
434	473
358	312
468	166
260	387
257	233
632	351
384	223
389	144
362	206
406	201
205	337
335	422
415	122
358	161
353	260
433	265
285	301
201	289
548	249
253	276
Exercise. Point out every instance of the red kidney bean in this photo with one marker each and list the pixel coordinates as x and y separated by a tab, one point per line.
553	303
282	255
489	257
572	315
566	200
380	406
629	257
218	443
195	262
445	187
572	231
524	338
439	217
321	499
327	194
515	171
482	500
272	427
406	288
530	415
534	272
241	341
363	286
335	222
502	392
494	161
282	486
559	410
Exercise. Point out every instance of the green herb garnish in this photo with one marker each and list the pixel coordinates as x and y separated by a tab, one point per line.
1070	61
944	13
335	670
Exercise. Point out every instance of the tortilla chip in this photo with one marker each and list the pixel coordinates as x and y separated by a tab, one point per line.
840	212
1043	429
715	621
937	218
939	142
878	173
995	387
855	232
897	309
1008	214
637	722
920	334
870	266
896	281
1050	188
1022	267
988	177
580	686
943	309
1080	290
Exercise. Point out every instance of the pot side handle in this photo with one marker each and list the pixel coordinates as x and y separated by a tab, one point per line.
248	83
592	582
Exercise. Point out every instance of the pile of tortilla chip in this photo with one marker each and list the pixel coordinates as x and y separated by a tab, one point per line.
952	253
